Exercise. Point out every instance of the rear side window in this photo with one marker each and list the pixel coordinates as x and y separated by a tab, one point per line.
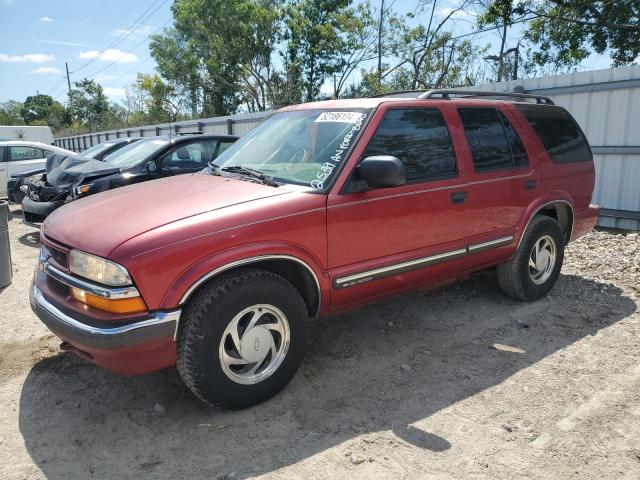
494	143
560	134
420	139
25	153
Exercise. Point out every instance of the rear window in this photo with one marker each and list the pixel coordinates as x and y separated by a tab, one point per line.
560	134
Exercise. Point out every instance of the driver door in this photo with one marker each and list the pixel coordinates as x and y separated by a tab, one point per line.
378	238
188	157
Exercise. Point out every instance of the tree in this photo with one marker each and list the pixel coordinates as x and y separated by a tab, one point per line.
10	113
503	14
314	41
566	31
44	110
88	103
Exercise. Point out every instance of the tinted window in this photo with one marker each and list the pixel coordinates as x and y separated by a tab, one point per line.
487	139
559	133
517	148
420	139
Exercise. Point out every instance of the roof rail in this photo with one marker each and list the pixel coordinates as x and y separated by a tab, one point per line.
401	93
446	94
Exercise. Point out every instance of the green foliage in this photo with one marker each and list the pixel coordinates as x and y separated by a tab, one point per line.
10	113
88	104
566	31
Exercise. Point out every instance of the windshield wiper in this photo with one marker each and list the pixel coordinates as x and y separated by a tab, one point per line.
250	172
214	168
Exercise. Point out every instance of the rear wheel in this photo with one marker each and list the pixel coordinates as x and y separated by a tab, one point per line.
534	268
242	338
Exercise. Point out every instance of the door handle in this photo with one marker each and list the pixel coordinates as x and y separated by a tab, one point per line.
459	197
530	184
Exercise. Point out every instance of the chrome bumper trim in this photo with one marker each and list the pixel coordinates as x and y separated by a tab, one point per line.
112	293
160	325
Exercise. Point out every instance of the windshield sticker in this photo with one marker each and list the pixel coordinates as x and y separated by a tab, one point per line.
327	168
341	117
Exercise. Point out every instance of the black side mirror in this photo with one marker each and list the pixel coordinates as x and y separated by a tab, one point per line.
382	171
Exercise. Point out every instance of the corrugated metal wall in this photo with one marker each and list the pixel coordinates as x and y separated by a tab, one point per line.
606	104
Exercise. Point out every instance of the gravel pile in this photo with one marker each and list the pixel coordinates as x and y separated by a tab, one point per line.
608	256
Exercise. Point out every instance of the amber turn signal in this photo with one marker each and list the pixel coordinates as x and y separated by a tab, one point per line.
120	305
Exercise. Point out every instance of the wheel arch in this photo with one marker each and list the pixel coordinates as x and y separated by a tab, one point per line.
298	272
561	210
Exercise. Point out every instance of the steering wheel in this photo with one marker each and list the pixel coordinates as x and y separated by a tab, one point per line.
298	157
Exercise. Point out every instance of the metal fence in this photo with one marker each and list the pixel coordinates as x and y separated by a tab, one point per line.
606	104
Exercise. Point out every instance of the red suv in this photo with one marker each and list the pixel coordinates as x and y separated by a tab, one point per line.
322	207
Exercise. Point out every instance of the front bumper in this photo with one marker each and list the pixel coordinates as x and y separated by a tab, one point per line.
129	348
34	213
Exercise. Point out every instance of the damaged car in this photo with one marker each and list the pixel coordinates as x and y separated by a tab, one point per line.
68	178
17	184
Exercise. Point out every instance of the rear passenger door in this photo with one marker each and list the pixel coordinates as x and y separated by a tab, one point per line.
504	178
25	158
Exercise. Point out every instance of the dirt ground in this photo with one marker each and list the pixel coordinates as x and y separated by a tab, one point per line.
461	382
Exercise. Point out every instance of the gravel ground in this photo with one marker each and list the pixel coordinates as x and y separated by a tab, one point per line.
460	382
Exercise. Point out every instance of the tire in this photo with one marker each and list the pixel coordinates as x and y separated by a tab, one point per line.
518	278
207	364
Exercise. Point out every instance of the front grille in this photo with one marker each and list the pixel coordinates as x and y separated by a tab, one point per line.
56	256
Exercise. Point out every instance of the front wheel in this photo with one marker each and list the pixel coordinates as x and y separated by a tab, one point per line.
534	269
242	338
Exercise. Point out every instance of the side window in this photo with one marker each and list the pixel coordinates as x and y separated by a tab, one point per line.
560	134
223	146
24	153
420	139
192	156
494	143
518	152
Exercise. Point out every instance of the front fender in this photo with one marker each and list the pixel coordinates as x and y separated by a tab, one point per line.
209	267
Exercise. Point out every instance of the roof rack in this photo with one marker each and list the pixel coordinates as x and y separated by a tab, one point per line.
446	95
402	93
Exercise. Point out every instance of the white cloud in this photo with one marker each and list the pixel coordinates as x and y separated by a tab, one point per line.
114	92
28	58
60	42
137	30
109	55
46	70
46	19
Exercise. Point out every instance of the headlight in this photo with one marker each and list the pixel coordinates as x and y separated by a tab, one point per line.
32	179
98	269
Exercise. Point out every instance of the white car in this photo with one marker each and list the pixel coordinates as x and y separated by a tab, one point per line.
19	157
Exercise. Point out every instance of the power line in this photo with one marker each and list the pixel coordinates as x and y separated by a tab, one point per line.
125	34
130	50
126	73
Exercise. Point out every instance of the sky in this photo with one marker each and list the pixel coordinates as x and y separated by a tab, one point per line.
108	41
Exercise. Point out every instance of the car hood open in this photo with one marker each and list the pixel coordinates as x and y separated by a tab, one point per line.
99	223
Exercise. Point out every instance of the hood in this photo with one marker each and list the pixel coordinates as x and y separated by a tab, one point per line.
99	223
68	171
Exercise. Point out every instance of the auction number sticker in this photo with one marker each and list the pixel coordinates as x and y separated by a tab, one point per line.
340	117
356	119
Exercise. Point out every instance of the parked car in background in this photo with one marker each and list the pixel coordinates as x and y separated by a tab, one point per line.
71	177
101	150
17	157
322	207
25	133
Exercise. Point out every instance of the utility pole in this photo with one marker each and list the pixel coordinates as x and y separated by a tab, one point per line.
66	65
380	42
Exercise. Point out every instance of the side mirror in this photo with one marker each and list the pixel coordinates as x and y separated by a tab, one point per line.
152	167
382	171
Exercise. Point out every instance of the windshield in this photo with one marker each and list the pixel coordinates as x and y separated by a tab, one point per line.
304	147
135	153
96	150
